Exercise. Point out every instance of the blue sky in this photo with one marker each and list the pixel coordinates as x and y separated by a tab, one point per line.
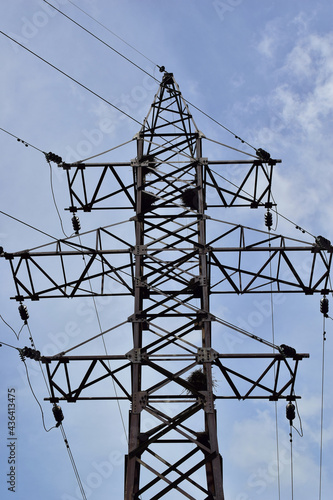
262	69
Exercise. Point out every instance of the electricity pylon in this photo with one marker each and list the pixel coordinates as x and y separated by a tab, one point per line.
180	256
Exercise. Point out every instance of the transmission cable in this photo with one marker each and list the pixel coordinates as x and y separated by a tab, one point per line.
36	399
291	462
28	378
100	40
71	78
54	199
105	348
161	68
322	409
112	32
26	144
28	225
70	454
17	335
268	221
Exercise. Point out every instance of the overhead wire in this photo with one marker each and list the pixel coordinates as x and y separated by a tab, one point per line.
161	68
291	462
28	225
69	451
70	77
274	372
322	409
99	39
105	350
54	200
27	374
17	335
71	457
36	399
113	33
21	140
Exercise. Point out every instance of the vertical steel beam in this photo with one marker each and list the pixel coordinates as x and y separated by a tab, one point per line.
132	472
213	467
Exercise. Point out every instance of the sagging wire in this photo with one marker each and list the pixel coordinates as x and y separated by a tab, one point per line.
324	311
53	196
36	399
17	335
56	409
21	351
104	345
269	223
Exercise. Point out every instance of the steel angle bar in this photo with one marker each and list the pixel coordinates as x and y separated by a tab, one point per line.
172	377
160	476
181	238
172	468
174	484
168	424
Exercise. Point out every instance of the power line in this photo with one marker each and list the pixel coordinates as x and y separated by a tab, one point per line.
36	399
273	341
105	349
21	140
70	77
61	425
113	33
54	199
139	67
131	62
71	457
28	225
17	335
100	40
322	411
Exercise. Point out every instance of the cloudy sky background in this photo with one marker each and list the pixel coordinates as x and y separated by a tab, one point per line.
265	71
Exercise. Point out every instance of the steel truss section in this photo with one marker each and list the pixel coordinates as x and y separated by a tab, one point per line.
274	264
97	369
89	184
179	257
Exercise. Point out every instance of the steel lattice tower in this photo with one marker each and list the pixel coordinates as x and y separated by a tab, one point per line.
175	265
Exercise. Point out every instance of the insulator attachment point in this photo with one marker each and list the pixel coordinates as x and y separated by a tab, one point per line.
268	219
324	306
76	224
58	414
53	157
290	412
27	352
23	310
